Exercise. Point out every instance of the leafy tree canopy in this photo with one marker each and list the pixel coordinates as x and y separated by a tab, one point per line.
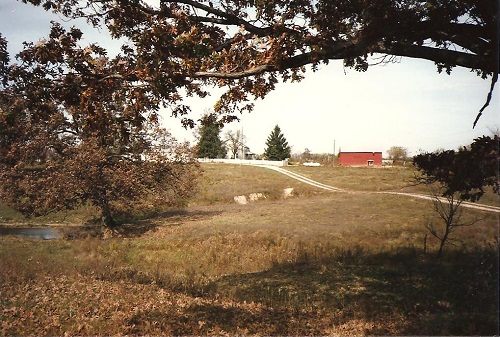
248	46
277	146
466	171
71	134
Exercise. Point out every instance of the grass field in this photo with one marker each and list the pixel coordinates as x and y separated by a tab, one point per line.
397	178
320	263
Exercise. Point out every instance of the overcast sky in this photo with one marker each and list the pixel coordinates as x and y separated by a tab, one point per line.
405	104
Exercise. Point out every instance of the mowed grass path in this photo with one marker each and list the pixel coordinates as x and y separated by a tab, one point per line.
320	263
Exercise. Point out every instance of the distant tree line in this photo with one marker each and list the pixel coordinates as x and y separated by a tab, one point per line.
210	144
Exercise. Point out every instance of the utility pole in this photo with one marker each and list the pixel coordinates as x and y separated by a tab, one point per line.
333	152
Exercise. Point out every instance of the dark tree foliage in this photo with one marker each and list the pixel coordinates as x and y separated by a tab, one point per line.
4	60
466	171
277	146
248	46
70	135
210	144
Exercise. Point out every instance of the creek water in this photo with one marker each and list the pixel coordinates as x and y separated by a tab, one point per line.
32	232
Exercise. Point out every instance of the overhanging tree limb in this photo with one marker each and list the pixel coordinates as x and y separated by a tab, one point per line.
188	43
437	55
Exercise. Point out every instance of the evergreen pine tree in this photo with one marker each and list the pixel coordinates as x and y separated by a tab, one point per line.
277	146
210	145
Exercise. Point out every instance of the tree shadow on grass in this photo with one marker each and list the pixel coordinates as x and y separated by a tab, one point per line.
399	293
129	230
132	227
213	317
350	292
181	215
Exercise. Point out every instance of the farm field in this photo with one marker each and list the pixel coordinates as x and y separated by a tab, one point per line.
319	263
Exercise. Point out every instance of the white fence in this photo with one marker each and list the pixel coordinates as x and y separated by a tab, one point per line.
245	161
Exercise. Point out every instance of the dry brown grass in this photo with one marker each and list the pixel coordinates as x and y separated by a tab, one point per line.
317	264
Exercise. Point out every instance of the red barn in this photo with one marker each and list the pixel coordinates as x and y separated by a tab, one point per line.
360	158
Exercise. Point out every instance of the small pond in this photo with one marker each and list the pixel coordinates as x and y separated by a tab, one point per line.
32	232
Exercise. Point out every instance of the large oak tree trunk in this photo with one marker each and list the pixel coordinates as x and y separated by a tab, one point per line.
107	217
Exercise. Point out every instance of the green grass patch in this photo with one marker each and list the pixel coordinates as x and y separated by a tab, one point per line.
363	178
222	182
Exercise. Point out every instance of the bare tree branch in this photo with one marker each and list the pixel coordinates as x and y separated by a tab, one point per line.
494	79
